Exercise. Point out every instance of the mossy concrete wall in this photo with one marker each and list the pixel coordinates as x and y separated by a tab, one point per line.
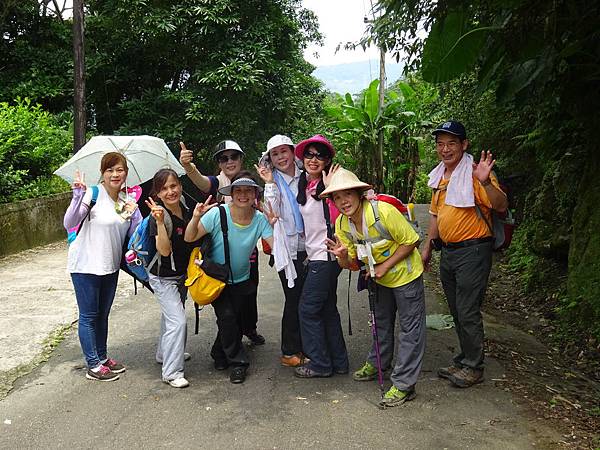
30	223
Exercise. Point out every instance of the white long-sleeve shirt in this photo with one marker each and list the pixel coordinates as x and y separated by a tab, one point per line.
294	241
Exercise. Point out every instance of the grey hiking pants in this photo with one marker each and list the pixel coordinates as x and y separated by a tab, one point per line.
408	302
171	294
464	274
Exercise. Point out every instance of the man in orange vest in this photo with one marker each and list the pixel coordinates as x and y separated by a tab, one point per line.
464	194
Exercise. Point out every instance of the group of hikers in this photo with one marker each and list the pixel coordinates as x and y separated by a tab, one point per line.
317	218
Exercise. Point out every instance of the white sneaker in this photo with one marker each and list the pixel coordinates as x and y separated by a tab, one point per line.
178	382
186	357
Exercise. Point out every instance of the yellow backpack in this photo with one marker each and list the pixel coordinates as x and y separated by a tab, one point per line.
206	279
202	287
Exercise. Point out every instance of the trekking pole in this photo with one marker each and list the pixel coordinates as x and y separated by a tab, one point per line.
372	302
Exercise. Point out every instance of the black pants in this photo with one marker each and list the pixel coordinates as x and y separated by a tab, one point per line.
229	309
250	308
291	342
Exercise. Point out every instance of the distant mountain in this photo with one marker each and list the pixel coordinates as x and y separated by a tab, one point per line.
354	77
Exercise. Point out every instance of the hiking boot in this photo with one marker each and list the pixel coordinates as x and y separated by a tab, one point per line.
395	397
306	372
447	372
178	382
114	366
255	338
466	377
186	357
104	374
238	374
367	372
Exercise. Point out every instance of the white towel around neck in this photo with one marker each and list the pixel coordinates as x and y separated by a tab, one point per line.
460	187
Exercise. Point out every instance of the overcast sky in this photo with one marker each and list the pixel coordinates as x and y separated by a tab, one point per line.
339	21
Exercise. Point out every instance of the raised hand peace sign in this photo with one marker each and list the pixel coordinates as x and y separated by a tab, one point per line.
265	173
201	208
156	210
79	181
270	213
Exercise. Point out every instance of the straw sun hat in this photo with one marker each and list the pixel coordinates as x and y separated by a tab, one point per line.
343	180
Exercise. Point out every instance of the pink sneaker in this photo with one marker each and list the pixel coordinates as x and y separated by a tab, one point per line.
114	366
104	374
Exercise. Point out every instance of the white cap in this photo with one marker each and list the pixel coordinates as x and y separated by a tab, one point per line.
226	145
275	141
279	139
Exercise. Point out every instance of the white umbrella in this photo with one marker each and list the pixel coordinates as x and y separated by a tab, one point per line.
145	156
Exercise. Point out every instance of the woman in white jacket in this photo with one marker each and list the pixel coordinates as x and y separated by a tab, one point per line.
279	170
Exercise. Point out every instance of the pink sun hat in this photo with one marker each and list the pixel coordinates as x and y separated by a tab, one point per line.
317	138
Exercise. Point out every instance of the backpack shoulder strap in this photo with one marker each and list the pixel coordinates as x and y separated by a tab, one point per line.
95	192
327	223
482	217
224	230
89	211
383	232
327	218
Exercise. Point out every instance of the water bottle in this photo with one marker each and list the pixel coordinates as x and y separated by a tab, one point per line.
130	256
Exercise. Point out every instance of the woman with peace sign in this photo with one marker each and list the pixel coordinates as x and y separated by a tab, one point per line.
245	227
105	216
167	278
320	323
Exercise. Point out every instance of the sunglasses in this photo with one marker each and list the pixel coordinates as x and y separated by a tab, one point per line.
224	158
310	155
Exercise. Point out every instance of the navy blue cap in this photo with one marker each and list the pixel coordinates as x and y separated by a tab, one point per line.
451	127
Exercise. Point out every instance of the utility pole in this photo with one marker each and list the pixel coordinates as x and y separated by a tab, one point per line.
79	77
380	168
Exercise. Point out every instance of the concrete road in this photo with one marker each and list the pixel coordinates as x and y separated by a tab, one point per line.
56	407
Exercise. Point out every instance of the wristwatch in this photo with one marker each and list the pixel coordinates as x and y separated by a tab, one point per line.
486	182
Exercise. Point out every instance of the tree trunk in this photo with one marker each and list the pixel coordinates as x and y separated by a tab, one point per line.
79	76
379	169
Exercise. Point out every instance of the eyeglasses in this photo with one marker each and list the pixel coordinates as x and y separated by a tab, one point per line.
224	158
310	155
450	145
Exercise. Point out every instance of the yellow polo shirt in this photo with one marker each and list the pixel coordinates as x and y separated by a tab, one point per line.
402	233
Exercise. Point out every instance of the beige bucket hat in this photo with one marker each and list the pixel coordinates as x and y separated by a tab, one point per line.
342	180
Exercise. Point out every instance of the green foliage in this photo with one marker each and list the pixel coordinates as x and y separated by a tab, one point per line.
32	146
525	85
404	121
422	192
453	46
36	54
188	70
201	71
